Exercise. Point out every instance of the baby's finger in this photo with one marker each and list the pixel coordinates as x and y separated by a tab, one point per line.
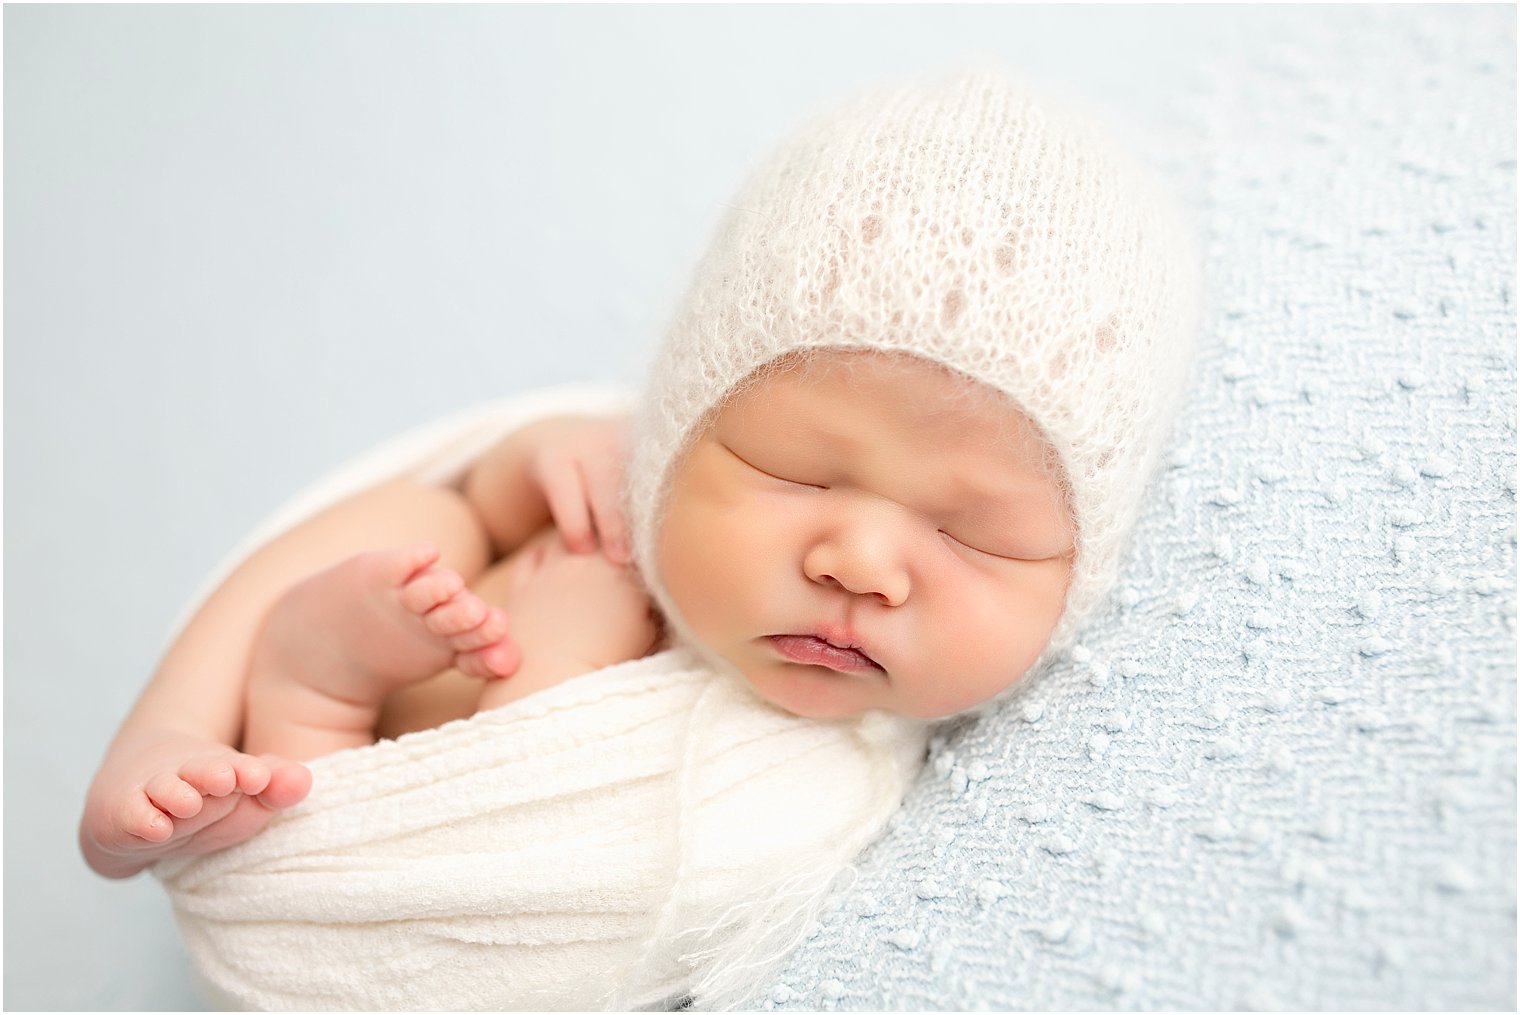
607	508
172	795
565	491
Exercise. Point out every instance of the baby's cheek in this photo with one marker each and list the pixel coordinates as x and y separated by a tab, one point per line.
681	570
699	577
983	645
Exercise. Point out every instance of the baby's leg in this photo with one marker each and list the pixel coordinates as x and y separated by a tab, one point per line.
201	796
453	694
161	790
336	645
570	613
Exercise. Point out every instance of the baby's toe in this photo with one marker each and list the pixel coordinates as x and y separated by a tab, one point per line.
430	589
288	784
141	820
490	663
172	795
488	632
462	613
406	563
210	776
253	774
471	665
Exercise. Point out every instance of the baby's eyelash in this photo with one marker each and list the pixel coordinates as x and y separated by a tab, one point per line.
961	542
772	475
975	549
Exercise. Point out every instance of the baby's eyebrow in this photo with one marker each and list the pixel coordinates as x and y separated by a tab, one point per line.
980	495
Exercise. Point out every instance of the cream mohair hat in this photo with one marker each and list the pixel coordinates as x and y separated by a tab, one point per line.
969	223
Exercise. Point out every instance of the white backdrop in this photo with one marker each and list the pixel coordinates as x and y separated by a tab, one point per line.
243	244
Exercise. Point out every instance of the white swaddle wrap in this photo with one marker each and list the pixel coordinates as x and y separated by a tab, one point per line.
630	837
654	831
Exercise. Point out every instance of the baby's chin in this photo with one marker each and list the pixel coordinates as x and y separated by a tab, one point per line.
808	709
814	692
830	708
812	699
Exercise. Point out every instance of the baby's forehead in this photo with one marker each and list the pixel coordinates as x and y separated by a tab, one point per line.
891	398
911	386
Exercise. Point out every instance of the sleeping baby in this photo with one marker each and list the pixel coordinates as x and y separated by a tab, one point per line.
884	466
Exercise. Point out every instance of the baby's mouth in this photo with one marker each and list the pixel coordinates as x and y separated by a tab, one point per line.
813	650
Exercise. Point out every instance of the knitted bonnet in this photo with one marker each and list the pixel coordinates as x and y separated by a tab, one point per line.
964	222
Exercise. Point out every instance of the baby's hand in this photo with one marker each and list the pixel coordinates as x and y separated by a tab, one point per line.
578	464
173	794
582	606
571	613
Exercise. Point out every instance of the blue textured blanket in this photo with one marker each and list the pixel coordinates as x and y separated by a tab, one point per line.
1280	770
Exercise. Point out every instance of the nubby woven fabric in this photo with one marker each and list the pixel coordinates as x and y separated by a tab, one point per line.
1278	771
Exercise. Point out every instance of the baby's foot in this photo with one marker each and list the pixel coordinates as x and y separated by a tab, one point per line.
178	795
336	645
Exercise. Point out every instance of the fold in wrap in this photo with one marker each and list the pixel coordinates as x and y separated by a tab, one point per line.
635	836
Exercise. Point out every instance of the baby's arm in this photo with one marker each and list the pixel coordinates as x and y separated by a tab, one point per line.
565	469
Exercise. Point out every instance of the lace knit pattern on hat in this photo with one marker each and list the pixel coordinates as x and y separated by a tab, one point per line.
967	223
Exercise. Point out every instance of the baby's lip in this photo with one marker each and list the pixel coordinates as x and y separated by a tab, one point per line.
834	650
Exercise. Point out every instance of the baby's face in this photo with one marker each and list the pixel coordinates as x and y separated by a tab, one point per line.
869	531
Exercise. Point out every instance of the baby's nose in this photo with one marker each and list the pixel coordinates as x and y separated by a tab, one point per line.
862	562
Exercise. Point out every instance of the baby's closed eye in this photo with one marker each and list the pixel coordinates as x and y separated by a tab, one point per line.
995	546
776	472
974	543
